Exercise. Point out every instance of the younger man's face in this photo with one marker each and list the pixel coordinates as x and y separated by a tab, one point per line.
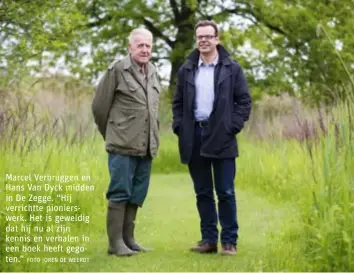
206	39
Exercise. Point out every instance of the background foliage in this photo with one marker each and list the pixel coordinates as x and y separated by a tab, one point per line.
279	43
294	183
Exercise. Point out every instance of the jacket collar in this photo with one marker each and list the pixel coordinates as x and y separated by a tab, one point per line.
223	54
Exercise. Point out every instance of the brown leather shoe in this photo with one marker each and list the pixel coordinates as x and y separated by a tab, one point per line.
228	250
205	247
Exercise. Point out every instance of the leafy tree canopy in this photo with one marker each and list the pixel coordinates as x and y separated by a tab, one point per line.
284	46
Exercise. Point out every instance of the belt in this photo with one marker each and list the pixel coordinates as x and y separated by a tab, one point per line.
202	123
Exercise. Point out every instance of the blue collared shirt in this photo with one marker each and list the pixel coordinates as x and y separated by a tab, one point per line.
204	83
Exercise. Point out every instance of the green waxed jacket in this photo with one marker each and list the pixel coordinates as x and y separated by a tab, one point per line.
125	109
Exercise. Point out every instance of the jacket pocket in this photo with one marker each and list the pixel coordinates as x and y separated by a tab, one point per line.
127	128
123	121
157	88
120	131
128	86
228	126
133	86
237	123
155	98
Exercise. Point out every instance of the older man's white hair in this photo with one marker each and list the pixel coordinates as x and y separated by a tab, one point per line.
140	31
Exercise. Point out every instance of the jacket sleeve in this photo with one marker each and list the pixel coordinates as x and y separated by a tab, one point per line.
177	103
103	99
242	100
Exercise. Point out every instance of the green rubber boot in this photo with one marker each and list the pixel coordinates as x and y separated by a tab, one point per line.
115	220
129	227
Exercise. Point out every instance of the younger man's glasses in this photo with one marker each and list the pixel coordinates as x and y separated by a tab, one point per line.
206	37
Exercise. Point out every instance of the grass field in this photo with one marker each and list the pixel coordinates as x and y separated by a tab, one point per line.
295	207
168	222
295	199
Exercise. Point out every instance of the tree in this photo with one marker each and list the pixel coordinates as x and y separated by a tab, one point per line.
30	30
286	52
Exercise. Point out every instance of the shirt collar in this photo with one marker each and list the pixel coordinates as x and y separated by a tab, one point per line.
214	63
137	67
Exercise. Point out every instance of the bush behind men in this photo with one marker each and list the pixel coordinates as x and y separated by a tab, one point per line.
125	109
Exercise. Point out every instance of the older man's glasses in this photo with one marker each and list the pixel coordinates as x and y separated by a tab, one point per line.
205	37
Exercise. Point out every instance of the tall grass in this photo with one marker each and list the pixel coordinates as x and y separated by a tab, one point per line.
317	176
313	174
316	180
53	158
328	212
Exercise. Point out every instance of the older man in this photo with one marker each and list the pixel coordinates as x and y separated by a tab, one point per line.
210	106
125	109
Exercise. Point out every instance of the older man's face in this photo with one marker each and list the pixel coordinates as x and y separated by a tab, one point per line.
140	49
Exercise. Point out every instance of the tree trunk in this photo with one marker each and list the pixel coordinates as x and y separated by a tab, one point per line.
181	47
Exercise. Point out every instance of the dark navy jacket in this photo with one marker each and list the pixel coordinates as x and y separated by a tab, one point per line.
232	107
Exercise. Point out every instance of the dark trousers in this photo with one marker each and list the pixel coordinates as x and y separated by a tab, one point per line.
224	171
130	178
